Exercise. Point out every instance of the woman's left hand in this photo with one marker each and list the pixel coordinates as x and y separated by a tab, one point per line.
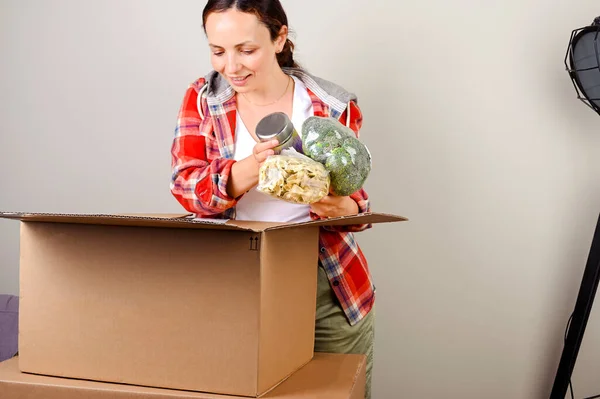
334	206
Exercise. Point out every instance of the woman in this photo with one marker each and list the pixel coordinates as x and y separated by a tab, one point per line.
216	156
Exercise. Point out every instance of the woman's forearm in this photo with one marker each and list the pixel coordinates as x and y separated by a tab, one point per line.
243	176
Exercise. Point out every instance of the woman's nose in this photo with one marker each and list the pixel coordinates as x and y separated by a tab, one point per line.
232	65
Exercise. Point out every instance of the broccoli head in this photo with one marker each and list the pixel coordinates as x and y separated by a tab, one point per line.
347	159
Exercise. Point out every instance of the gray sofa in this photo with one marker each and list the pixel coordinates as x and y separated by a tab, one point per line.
9	326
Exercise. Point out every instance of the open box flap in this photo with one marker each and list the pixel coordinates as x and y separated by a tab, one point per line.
188	221
364	218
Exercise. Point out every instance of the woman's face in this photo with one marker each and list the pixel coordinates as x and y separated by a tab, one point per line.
242	50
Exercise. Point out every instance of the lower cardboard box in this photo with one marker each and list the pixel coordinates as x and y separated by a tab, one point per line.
327	376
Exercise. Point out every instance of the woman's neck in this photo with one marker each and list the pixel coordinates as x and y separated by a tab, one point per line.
274	90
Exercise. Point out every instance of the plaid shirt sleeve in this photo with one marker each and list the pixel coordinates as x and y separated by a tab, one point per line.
352	117
199	174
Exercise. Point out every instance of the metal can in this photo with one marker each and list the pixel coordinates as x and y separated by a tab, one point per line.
278	126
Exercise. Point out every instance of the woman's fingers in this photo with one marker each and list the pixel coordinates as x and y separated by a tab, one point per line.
263	150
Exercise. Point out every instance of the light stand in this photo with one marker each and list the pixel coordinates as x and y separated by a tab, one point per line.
582	62
583	307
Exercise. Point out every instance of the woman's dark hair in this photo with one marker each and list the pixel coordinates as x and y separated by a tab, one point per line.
269	12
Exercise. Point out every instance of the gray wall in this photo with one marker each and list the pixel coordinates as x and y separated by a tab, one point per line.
489	154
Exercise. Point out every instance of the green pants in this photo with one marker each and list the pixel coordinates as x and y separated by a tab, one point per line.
334	334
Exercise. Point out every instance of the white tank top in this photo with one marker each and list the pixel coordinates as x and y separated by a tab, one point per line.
255	205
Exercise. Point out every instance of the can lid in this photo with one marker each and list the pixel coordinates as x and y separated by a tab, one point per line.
275	126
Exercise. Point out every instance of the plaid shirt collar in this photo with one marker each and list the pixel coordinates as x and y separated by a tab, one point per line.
329	98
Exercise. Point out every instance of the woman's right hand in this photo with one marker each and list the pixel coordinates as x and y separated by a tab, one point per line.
262	150
244	174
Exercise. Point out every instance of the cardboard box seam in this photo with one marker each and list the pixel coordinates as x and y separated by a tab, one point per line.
164	391
287	377
260	325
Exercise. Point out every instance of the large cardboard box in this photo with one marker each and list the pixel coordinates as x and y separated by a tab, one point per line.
169	301
327	376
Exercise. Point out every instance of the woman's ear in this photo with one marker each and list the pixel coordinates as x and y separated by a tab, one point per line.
281	38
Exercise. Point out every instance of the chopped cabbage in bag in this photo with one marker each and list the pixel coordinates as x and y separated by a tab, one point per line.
294	178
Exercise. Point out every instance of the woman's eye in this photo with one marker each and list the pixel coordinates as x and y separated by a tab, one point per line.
218	53
247	52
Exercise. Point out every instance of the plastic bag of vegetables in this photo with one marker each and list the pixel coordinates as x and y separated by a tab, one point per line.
347	159
293	177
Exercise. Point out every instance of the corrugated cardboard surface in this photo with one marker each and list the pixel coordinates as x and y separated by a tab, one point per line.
283	306
327	376
172	308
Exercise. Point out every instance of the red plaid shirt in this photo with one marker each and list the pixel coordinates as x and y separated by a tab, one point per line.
202	156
